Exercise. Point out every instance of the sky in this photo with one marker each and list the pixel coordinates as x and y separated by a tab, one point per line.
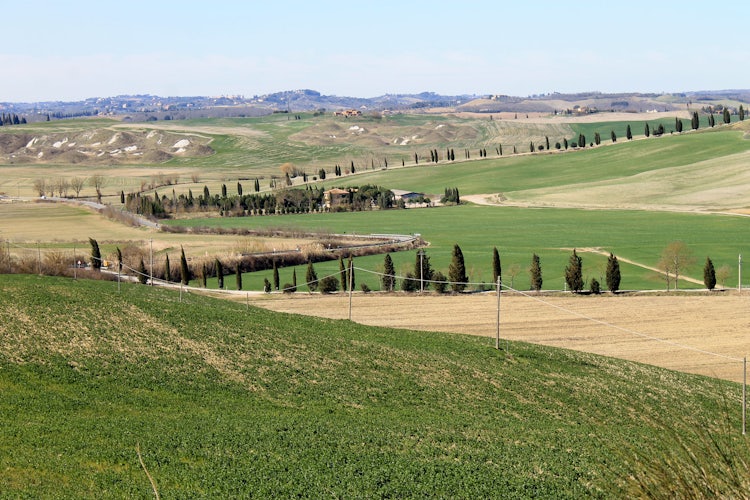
54	50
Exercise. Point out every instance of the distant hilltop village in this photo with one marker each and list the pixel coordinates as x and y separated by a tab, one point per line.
151	108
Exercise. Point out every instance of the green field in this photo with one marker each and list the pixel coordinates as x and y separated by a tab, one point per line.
518	233
224	401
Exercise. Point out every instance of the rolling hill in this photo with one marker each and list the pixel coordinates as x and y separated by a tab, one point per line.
221	400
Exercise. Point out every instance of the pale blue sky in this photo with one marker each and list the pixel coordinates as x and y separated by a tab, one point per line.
54	50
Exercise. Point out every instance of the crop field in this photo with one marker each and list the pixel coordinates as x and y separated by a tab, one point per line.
667	331
215	399
638	236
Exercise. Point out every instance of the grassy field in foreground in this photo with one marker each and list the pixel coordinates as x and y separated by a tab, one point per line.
517	232
224	401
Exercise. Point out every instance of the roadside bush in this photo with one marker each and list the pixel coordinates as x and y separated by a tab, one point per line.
410	283
595	288
440	282
289	288
329	284
364	288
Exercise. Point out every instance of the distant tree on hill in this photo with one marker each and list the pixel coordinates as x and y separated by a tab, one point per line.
581	141
695	121
727	117
388	281
742	113
629	133
597	138
238	275
257	185
223	190
711	120
709	274
565	142
531	146
546	140
535	273
678	125
96	255
613	273
574	273
613	136
457	270
647	131
239	189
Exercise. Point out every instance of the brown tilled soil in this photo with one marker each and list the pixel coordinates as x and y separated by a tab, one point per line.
704	334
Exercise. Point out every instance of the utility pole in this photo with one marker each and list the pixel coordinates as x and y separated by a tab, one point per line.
739	276
497	335
151	244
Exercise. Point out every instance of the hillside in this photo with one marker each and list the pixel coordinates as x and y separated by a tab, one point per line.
224	401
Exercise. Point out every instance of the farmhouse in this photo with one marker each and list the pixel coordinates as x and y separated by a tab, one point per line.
407	196
347	113
336	197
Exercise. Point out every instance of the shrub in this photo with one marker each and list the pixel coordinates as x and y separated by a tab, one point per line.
410	283
364	288
595	288
440	283
289	288
329	284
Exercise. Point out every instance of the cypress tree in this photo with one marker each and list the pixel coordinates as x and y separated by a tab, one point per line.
342	272
535	273
546	140
239	189
388	280
220	273
742	113
294	279
496	269
311	277
350	266
223	190
678	125
574	273
613	273
581	141
122	197
238	275
647	131
457	270
597	138
184	269
204	275
422	261
629	133
167	270
119	260
695	121
142	273
613	136
275	276
96	255
709	274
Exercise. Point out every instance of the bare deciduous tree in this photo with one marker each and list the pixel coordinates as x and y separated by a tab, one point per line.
674	259
98	181
77	183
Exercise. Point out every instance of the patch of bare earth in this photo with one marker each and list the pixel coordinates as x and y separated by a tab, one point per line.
704	334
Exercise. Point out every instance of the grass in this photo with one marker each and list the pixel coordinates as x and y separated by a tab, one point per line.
225	401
